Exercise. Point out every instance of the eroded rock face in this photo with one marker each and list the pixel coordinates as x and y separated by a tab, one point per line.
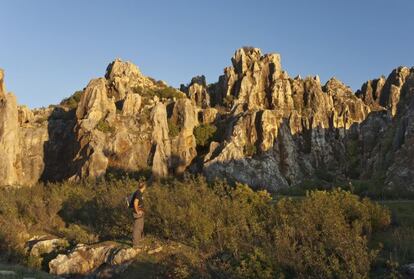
9	137
95	105
131	105
121	74
283	129
184	145
25	115
250	80
161	142
272	130
385	93
94	114
197	91
401	170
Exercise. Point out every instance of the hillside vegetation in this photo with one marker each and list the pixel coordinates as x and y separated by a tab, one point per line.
228	231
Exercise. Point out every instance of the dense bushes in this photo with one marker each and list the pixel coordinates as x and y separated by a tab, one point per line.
72	101
84	212
204	134
163	92
238	232
207	217
323	235
104	126
173	129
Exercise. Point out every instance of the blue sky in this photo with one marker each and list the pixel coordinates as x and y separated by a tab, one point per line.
49	49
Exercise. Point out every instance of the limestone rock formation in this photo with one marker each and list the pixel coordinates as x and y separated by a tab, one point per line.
250	78
370	92
161	141
131	105
95	105
270	130
121	74
9	136
25	115
184	145
95	108
197	91
283	129
208	115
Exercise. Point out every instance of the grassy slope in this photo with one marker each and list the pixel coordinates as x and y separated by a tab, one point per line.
402	211
398	240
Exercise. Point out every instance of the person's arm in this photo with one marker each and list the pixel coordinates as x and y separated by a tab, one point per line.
136	206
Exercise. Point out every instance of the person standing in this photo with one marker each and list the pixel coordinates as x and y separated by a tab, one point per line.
138	213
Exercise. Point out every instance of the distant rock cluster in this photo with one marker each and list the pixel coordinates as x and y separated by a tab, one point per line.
272	131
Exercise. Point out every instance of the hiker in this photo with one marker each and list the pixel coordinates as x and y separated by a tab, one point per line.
138	213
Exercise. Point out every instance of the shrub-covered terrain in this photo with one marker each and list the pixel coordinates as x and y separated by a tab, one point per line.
204	134
72	101
224	231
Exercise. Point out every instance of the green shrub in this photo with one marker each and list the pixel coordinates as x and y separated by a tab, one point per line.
169	93
239	232
257	265
78	234
73	101
104	126
102	213
204	134
250	149
173	129
204	216
162	92
326	234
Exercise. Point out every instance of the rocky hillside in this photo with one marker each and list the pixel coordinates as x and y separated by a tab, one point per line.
256	125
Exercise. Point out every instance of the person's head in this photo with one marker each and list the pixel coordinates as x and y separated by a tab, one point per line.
142	186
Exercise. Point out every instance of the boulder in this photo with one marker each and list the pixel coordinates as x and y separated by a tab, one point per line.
81	261
41	245
86	260
409	269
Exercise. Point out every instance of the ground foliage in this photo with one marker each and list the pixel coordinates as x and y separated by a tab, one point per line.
231	231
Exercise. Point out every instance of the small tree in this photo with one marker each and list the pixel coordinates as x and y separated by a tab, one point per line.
204	134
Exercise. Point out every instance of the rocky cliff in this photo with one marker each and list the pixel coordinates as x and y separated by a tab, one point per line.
256	125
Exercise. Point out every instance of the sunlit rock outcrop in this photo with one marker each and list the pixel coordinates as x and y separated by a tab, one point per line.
256	125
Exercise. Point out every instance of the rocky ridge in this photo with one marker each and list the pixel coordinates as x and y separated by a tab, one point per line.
271	130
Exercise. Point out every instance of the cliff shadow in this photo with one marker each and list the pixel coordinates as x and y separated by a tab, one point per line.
61	147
